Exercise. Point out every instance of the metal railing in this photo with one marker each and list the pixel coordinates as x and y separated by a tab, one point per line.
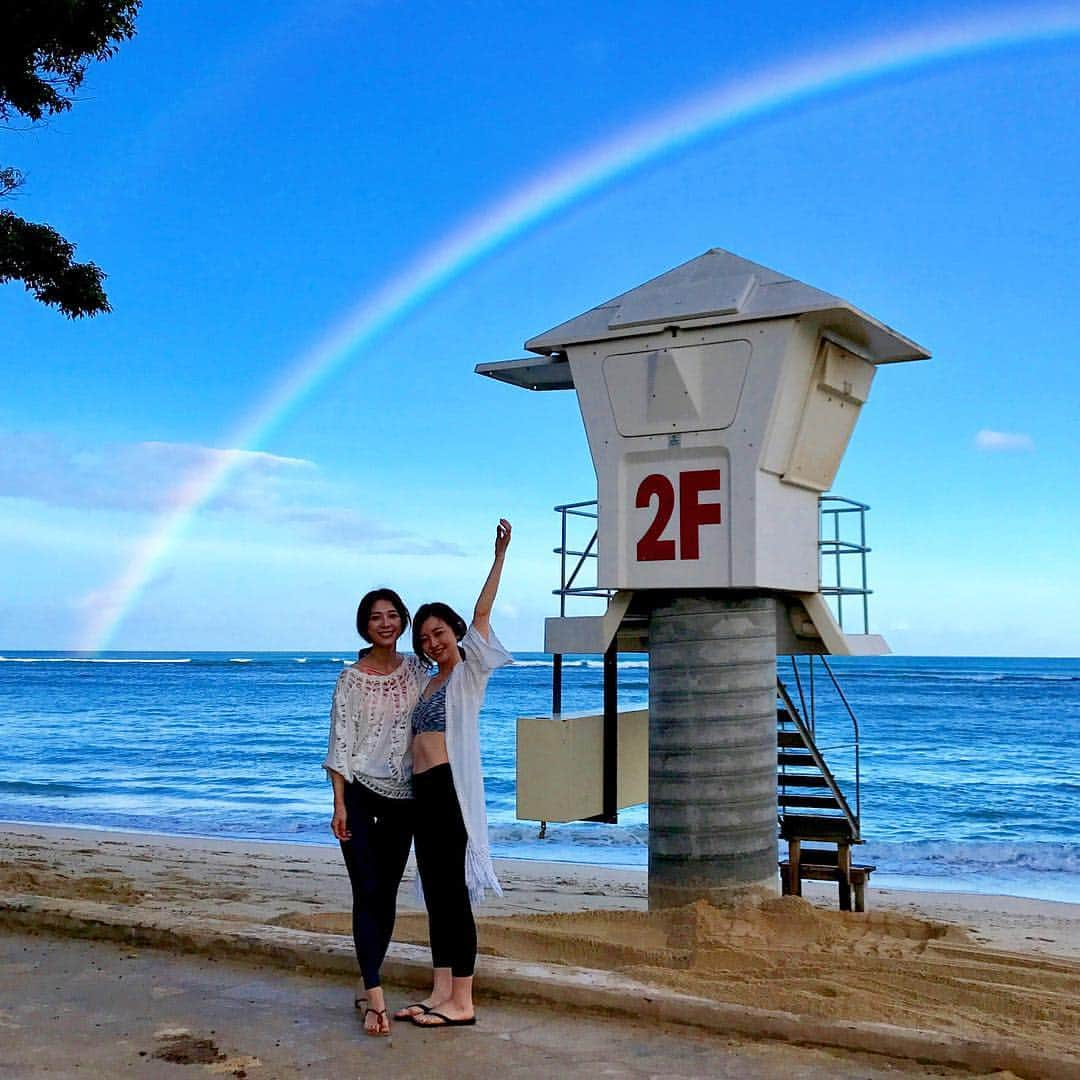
808	701
841	541
817	759
567	586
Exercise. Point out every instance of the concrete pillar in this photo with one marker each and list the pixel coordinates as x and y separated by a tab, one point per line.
712	749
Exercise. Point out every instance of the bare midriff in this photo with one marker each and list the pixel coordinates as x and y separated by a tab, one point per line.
428	750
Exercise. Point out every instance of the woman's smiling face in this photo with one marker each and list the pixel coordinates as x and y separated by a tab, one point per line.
437	639
384	626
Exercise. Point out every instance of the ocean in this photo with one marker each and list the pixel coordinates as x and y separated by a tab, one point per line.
970	778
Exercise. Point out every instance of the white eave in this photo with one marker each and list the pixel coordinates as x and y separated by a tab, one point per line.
531	372
718	288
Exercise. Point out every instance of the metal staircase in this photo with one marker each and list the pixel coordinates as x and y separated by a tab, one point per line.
812	808
805	784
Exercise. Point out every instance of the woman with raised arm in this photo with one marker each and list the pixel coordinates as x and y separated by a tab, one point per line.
452	855
369	764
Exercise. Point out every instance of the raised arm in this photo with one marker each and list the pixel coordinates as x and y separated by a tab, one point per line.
486	600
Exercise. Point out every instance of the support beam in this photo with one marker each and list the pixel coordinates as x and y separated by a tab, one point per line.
712	749
611	734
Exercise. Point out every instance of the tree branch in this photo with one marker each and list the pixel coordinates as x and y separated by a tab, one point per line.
45	262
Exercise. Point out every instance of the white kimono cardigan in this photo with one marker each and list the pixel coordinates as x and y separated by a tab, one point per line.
464	698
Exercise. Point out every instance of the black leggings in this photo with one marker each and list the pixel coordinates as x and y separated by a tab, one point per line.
375	857
440	860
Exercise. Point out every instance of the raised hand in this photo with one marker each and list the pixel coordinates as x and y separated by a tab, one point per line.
486	601
502	537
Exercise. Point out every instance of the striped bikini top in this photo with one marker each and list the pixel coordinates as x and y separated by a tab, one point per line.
429	714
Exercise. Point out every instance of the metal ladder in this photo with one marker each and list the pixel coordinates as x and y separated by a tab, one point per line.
812	808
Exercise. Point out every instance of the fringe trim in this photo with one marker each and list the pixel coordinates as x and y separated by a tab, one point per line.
480	873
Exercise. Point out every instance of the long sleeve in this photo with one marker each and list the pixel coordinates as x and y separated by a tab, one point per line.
483	657
339	749
464	698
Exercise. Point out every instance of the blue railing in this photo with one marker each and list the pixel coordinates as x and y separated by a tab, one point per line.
842	550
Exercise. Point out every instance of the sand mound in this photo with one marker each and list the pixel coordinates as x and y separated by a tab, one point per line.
790	955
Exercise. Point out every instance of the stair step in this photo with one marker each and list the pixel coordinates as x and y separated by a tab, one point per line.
801	780
809	802
805	827
804	759
790	739
823	857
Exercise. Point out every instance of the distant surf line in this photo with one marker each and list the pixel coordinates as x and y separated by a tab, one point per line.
88	660
733	104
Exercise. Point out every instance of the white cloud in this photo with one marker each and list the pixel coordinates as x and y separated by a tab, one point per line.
290	495
139	477
344	527
1005	441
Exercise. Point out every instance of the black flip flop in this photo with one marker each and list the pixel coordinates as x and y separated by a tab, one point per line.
446	1021
404	1014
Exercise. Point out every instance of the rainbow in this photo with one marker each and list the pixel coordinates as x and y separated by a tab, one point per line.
731	105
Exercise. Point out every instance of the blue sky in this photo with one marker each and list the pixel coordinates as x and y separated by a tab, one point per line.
246	184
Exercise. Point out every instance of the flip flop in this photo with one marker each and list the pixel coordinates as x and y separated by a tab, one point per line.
405	1014
444	1021
377	1031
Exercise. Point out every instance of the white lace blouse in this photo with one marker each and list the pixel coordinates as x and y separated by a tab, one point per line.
370	734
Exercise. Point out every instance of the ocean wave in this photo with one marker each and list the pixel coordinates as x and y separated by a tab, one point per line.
551	663
40	787
90	660
621	664
585	834
962	677
239	659
1040	678
940	858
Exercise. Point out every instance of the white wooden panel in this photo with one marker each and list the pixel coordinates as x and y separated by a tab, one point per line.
560	765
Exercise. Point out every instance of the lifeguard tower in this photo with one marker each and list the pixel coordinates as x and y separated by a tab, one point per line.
718	400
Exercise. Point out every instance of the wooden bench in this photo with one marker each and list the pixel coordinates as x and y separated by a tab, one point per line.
817	864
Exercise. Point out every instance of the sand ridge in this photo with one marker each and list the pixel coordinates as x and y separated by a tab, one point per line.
791	955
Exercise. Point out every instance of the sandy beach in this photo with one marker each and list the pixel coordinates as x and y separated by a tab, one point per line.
960	964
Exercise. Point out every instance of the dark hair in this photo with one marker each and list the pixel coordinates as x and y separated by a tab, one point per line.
439	611
363	612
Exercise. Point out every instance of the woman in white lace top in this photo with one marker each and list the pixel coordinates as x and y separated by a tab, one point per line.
370	765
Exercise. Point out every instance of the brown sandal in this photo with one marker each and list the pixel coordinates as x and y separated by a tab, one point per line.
383	1019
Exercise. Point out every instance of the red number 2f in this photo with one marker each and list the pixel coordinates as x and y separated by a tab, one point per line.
692	513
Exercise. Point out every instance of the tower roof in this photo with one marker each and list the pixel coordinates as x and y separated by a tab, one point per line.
718	288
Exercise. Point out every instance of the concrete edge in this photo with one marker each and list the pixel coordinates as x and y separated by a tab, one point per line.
549	984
